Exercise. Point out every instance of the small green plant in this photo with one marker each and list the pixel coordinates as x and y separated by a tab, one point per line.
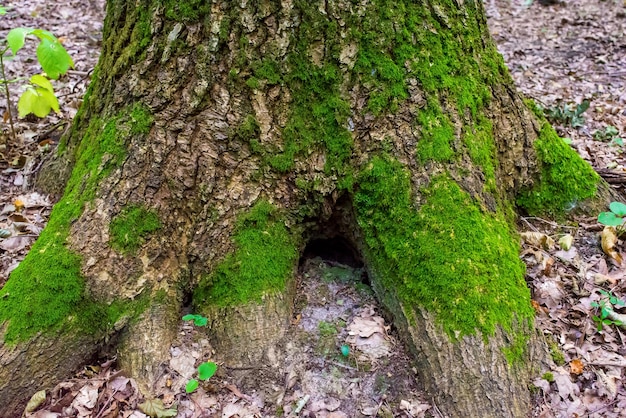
198	320
548	376
616	217
207	369
39	97
605	309
567	114
609	134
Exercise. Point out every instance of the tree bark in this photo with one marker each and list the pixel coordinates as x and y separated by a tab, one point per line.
217	139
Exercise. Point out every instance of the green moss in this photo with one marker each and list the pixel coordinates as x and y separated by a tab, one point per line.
253	83
565	179
47	289
548	376
449	257
186	11
556	353
267	70
141	119
482	150
436	46
515	352
263	262
129	229
249	129
437	136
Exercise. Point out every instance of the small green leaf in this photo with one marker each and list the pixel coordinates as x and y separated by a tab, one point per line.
618	208
3	10
609	219
44	34
191	386
42	82
38	101
16	38
200	321
206	370
345	350
53	58
581	108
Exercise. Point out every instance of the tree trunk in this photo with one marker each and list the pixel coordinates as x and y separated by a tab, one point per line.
218	138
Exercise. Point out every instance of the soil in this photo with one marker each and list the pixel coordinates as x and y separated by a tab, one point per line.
341	356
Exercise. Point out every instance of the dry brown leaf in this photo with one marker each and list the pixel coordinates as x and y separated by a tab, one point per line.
609	240
35	401
156	409
576	366
538	239
599	278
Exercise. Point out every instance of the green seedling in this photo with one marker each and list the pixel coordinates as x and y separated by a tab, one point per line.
605	309
609	134
38	97
567	114
207	369
198	320
616	216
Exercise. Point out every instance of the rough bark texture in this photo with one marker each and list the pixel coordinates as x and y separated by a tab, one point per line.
217	138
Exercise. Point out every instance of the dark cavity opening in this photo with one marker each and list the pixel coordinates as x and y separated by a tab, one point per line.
337	250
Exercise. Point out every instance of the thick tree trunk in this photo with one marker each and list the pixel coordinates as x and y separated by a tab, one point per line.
217	138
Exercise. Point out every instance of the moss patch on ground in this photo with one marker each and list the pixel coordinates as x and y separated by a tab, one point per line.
47	289
263	262
129	229
565	179
449	256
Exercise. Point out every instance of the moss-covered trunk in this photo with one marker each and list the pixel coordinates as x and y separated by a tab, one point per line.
217	138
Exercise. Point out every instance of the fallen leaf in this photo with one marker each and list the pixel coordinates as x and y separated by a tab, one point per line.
538	239
414	408
35	401
609	240
599	278
607	382
15	243
576	366
235	409
566	241
19	204
156	409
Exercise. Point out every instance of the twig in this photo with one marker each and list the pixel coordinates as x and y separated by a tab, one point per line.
344	366
554	224
6	89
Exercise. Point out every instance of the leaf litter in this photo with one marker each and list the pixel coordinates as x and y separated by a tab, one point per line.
562	54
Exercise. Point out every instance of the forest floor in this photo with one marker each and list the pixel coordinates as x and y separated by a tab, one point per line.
341	357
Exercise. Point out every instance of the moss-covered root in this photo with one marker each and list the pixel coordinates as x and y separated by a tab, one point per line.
450	257
146	340
565	180
450	273
248	295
